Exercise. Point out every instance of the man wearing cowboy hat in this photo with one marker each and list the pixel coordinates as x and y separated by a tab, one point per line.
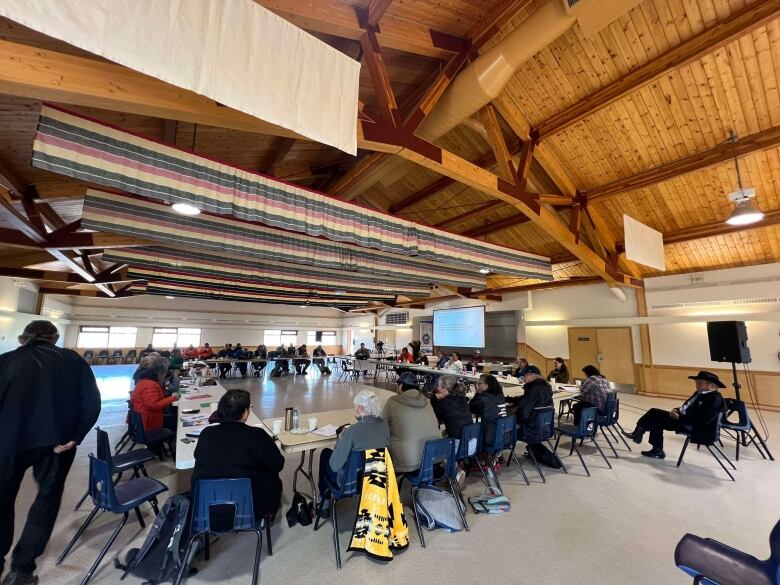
695	416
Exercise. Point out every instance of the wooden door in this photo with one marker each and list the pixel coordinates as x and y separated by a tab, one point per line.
616	353
583	349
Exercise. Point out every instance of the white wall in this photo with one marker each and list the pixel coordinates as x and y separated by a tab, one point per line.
12	323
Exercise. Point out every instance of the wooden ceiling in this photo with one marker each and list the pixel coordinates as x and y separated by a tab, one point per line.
634	120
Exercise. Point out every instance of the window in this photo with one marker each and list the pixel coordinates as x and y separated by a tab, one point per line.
108	337
289	337
165	337
272	338
328	338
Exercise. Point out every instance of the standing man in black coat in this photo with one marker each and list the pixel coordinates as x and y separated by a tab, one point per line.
696	416
49	401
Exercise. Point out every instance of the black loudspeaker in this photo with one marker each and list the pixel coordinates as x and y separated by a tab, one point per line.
728	342
318	336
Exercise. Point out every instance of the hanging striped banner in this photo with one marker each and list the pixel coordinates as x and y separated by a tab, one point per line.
159	260
86	149
130	216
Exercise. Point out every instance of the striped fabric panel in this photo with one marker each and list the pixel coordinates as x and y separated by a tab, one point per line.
126	215
271	273
72	145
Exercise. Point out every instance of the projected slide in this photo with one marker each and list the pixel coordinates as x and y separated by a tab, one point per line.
464	327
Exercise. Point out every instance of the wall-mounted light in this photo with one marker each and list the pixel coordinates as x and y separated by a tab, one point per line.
185	209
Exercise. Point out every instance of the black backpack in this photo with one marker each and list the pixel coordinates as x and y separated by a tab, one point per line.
162	554
544	456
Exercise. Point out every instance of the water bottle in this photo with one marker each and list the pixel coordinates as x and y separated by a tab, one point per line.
288	418
295	416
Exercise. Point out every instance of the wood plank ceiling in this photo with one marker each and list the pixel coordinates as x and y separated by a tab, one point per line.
685	110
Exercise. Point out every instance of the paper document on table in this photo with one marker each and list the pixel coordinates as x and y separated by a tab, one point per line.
326	431
198	397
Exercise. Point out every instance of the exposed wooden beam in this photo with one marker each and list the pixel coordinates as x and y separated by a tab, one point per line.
475	212
372	55
67	258
338	18
23	258
56	276
524	164
281	149
17	220
701	160
495	226
485	161
503	13
574	281
82	240
498	145
575	220
10	179
170	131
738	24
426	300
85	292
52	217
33	214
376	10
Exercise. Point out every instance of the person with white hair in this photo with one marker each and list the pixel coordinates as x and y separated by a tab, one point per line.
369	432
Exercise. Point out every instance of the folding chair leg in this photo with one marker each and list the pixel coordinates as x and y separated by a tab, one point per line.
739	440
682	453
722	454
484	475
258	550
417	520
86	493
335	516
619	436
536	464
78	534
720	462
122	442
763	444
519	466
458	498
103	552
268	536
143	470
140	517
595	442
187	558
611	446
555	454
153	504
581	459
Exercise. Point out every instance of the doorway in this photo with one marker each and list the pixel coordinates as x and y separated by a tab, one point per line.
608	348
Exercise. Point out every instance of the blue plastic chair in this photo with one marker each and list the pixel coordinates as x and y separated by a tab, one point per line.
506	438
470	447
746	433
220	497
609	420
538	431
710	562
349	488
586	429
439	463
709	440
118	464
153	438
118	499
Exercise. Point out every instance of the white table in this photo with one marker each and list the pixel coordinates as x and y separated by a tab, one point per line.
185	452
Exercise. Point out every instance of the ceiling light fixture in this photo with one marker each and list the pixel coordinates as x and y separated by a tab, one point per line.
169	297
484	270
745	211
185	209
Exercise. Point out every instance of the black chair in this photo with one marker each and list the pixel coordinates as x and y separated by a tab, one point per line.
539	431
710	562
103	356
506	438
151	439
117	357
348	371
709	438
586	429
222	506
605	422
118	499
349	488
89	356
746	433
118	464
131	357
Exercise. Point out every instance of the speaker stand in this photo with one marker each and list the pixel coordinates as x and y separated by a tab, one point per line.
736	381
750	422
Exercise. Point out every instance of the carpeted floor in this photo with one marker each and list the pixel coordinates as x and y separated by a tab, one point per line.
618	526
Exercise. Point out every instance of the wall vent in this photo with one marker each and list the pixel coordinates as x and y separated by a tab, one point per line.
396	318
702	304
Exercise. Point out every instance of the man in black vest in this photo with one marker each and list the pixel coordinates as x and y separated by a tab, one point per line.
696	416
48	403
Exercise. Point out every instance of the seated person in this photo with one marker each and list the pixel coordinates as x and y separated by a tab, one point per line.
489	404
319	354
476	358
205	352
262	353
369	432
454	364
149	349
423	360
301	365
537	393
441	359
225	354
281	360
148	398
450	405
362	352
176	360
239	353
405	357
559	373
412	422
190	353
233	449
415	346
143	364
696	416
291	350
593	391
519	367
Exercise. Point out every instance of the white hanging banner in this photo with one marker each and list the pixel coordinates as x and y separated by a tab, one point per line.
233	51
643	244
426	337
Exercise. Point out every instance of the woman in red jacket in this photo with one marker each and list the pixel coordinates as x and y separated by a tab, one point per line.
148	397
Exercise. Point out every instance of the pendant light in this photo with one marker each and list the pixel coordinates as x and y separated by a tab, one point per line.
745	212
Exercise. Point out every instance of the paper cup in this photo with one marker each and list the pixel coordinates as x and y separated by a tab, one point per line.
312	423
276	426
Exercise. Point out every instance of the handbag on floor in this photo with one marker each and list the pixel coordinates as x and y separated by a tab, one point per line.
301	511
437	508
